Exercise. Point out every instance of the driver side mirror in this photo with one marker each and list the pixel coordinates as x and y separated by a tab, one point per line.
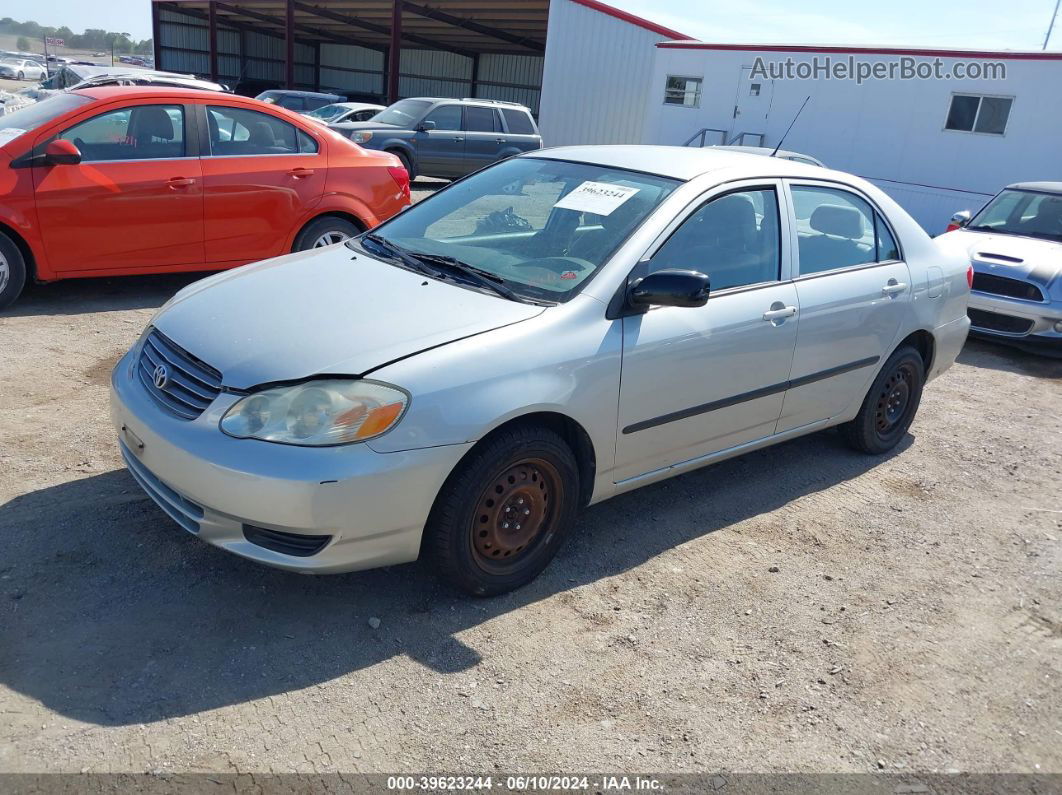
959	220
61	152
426	126
670	287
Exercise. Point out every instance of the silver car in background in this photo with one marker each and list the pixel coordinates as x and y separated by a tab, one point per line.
1015	246
552	331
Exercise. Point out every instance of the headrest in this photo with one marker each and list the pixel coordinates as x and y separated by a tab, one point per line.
262	134
153	121
731	213
831	219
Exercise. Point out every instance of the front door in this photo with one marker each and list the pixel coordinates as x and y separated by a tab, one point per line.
260	174
700	380
134	201
441	150
854	290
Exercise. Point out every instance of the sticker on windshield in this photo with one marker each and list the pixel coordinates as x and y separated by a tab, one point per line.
9	134
599	198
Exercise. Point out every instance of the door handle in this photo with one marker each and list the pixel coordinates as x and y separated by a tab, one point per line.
893	288
181	182
780	313
459	139
500	141
301	172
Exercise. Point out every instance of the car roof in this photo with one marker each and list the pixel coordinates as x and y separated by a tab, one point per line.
1043	187
294	92
132	92
472	101
766	150
679	162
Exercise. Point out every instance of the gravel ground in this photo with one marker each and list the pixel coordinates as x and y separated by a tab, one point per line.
803	608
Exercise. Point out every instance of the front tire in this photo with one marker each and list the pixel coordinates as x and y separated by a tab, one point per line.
504	512
890	406
12	271
325	231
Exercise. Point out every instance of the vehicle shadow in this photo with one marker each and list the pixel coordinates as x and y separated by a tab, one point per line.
108	294
988	354
113	615
428	184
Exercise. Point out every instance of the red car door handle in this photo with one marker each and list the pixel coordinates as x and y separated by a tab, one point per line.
301	172
181	182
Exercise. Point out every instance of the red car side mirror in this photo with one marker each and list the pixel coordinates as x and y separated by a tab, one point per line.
61	152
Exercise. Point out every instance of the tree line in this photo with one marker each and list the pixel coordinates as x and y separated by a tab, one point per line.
30	35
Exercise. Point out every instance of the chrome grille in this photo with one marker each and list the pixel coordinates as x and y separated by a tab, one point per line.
190	385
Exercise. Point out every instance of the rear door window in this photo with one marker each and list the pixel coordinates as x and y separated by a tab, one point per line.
239	131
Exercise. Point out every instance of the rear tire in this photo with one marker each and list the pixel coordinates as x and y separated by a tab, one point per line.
325	231
21	76
890	406
504	512
12	271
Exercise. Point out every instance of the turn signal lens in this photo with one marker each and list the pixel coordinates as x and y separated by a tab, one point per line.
317	413
361	136
969	276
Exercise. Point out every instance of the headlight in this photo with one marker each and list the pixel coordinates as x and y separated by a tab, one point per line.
317	413
361	136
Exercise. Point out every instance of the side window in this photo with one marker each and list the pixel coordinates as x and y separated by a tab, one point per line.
238	131
479	119
143	132
887	248
446	117
835	229
733	238
292	103
518	122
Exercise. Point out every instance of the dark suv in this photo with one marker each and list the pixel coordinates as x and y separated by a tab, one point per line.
447	137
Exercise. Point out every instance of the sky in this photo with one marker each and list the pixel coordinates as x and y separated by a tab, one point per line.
984	24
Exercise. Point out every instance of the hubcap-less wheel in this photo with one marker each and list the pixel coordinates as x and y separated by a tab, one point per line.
515	513
330	239
894	399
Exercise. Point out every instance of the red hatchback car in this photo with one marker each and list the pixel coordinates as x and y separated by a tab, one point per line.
124	180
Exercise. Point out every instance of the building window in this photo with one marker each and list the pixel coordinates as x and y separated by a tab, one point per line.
974	113
685	91
754	90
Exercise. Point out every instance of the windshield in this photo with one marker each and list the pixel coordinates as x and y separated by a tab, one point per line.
541	227
1022	212
33	116
403	113
328	112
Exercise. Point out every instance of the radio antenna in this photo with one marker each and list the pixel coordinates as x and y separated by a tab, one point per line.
790	127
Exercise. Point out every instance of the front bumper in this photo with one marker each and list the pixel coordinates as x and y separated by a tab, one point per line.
1014	319
372	506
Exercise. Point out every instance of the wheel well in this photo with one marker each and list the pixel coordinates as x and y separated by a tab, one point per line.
337	214
24	249
569	430
396	151
921	341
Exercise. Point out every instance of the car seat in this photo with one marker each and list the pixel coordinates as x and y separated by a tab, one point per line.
835	246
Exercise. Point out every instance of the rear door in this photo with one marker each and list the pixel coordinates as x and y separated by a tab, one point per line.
484	138
136	198
441	151
261	173
854	289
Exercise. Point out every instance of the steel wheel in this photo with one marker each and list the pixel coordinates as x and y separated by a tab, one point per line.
894	399
330	239
515	514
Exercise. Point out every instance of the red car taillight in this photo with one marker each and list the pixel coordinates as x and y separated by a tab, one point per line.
401	177
952	227
969	276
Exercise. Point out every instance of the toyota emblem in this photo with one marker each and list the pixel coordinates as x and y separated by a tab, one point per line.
161	376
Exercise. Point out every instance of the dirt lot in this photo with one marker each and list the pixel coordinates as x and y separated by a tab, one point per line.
803	608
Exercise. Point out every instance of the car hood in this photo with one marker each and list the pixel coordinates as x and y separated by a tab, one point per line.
364	125
327	311
1008	255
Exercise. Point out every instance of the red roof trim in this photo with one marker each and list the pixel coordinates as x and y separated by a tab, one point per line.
632	19
1003	54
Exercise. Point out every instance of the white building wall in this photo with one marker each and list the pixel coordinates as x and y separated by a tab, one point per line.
595	77
891	132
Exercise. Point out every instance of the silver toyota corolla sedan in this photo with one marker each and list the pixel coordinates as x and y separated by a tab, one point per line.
552	331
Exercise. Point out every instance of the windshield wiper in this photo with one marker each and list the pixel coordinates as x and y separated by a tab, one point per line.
476	275
987	228
389	249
